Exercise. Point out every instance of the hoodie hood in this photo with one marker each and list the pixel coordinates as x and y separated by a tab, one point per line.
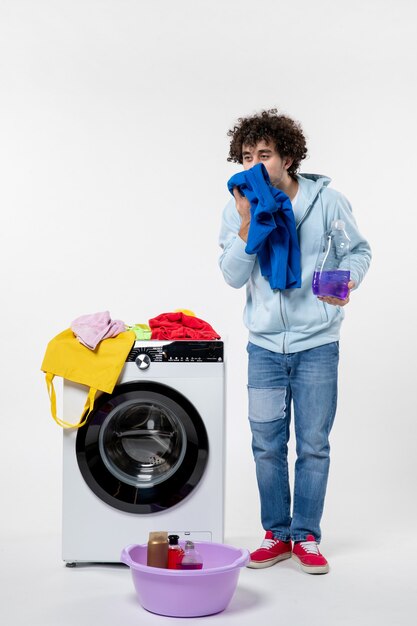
310	186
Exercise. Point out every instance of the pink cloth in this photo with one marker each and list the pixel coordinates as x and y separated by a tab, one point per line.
93	328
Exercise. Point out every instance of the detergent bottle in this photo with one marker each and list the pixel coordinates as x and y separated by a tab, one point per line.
175	552
157	555
191	559
332	273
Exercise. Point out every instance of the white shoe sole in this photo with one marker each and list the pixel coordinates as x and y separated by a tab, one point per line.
318	569
269	562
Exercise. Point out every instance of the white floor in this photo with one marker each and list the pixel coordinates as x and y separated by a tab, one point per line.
369	583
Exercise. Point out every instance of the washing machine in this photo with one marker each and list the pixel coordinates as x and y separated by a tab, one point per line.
151	455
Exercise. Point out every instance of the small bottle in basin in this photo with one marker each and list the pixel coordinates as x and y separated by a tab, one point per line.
175	552
158	549
191	559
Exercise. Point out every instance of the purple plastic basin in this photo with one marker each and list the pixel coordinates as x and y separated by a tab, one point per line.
187	593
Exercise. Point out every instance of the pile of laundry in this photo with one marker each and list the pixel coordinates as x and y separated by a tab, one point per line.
98	367
179	324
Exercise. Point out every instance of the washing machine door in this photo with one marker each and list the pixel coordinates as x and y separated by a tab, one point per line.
144	448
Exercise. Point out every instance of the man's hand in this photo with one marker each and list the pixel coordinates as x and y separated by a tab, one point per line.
243	208
337	301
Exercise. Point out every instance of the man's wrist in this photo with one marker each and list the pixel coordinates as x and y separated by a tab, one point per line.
244	230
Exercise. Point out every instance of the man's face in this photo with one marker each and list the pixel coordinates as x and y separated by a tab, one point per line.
265	152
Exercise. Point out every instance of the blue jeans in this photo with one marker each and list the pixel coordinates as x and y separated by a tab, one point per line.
308	379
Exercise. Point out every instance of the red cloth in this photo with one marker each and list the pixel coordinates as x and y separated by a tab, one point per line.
180	326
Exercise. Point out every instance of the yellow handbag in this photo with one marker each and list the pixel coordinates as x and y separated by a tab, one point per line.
97	369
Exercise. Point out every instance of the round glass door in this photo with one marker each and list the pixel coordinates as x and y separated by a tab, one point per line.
143	449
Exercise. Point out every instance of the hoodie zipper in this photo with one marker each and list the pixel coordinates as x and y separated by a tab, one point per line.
281	303
281	310
307	211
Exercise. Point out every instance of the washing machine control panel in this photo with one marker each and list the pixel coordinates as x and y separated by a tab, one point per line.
177	352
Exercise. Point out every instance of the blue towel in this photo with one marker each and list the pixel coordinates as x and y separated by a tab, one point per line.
272	232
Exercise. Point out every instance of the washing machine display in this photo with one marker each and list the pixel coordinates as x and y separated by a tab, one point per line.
144	448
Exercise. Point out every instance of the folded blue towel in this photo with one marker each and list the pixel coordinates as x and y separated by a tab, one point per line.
272	232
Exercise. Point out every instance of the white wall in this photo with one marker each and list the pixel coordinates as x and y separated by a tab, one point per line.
113	168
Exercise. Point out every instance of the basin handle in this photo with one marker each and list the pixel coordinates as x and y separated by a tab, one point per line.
242	559
125	556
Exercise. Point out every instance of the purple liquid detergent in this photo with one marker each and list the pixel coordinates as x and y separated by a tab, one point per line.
332	283
190	566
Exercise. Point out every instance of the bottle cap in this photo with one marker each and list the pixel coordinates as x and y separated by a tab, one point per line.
173	540
158	537
189	545
338	225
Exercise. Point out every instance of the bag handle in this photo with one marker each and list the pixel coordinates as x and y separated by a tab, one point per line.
88	406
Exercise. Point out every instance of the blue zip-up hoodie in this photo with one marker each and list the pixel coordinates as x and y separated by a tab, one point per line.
293	319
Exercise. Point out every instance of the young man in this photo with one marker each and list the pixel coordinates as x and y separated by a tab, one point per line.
293	339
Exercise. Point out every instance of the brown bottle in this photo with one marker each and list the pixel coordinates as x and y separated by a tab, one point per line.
158	549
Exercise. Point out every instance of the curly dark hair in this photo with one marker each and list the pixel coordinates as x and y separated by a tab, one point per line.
269	126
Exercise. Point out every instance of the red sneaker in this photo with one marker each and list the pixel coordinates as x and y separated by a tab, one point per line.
308	555
271	551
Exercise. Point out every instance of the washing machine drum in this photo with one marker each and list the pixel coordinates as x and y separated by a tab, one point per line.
144	448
